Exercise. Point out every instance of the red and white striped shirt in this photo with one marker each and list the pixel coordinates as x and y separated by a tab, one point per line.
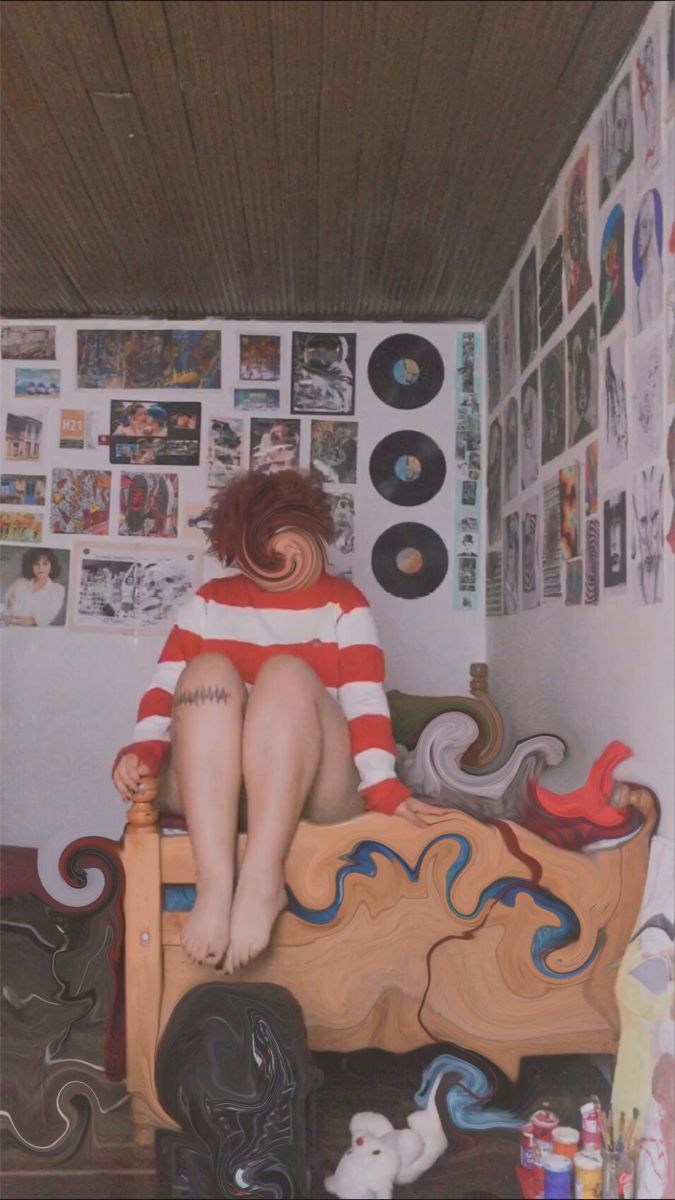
328	625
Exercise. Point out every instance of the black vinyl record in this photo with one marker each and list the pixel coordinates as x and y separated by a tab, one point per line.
409	560
406	371
407	467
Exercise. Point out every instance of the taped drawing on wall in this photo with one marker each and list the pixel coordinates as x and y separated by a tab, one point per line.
256	399
615	138
165	434
647	260
530	526
527	310
511	478
333	450
323	373
78	429
569	512
648	122
341	550
511	564
614	542
259	356
494	600
553	414
28	341
148	358
131	589
148	505
23	489
582	368
24	429
275	444
33	381
574	581
575	232
646	432
614	407
494	379
529	431
225	453
466	568
20	527
591	480
494	481
507	342
592	562
647	536
551	559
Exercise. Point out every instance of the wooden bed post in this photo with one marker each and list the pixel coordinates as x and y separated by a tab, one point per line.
143	955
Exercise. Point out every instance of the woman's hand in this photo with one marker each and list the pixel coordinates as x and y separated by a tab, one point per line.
418	811
128	776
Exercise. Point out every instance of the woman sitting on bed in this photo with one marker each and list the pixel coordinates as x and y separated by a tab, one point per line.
271	680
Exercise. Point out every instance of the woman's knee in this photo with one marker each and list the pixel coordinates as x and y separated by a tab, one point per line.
285	671
208	671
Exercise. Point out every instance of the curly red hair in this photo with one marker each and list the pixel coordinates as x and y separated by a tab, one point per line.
279	501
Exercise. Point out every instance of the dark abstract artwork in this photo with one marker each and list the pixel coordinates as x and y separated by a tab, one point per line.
233	1069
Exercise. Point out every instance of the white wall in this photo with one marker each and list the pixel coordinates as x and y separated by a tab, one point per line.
69	698
592	674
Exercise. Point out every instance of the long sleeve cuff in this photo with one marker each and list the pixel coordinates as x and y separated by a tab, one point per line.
151	754
385	796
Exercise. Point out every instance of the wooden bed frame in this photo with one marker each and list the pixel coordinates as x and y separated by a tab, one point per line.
479	934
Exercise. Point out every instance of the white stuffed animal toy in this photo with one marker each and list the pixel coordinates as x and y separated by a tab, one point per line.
381	1156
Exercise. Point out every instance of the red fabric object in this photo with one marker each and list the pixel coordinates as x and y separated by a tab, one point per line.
591	801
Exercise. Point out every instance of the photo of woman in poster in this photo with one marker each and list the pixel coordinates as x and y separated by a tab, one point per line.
35	598
647	264
529	432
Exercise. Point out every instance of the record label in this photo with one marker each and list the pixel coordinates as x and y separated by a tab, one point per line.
407	467
406	371
409	560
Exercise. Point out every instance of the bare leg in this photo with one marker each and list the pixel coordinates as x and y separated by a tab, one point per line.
294	736
207	719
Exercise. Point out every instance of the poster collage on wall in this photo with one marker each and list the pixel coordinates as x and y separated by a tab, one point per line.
113	470
581	363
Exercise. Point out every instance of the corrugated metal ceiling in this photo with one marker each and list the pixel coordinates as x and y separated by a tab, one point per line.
364	160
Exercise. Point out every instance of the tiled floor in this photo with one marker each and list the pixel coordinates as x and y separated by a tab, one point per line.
54	1012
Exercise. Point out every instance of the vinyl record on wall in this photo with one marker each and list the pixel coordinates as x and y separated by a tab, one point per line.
409	560
406	371
407	467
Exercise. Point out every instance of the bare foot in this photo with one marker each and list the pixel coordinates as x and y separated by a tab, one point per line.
258	900
206	935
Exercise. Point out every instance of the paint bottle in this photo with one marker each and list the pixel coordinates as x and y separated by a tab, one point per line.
565	1141
527	1151
591	1137
587	1175
543	1123
558	1177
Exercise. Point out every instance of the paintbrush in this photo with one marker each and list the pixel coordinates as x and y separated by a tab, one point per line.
622	1129
631	1130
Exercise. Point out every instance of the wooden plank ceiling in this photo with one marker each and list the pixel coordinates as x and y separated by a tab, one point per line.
374	159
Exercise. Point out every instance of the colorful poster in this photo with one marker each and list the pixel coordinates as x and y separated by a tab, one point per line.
20	527
529	431
322	378
148	505
612	271
647	259
615	138
35	381
530	532
33	586
28	341
333	449
569	512
77	429
259	356
582	371
647	538
163	434
132	589
80	501
148	358
23	489
648	115
575	233
614	542
225	450
574	581
256	399
24	430
591	479
275	445
614	406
